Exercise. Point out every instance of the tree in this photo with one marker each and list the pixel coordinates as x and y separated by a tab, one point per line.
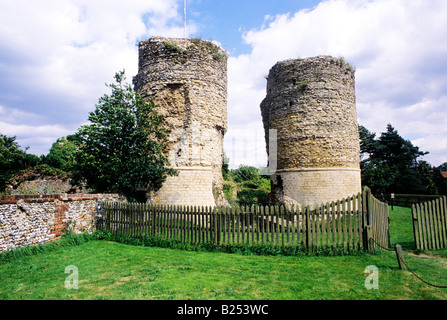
251	186
62	154
439	180
390	163
245	173
380	177
122	149
427	176
13	159
395	150
367	142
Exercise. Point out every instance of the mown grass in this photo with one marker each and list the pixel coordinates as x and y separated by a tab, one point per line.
111	270
401	227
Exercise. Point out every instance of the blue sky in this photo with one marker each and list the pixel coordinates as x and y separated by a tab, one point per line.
225	21
56	56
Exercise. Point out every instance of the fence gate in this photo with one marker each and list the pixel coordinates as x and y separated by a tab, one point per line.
377	222
430	224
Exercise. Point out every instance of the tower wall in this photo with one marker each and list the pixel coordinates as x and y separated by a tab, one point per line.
187	81
311	104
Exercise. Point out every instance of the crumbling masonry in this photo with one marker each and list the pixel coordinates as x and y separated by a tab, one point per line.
311	104
187	81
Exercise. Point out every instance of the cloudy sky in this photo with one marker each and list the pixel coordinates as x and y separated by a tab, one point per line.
56	56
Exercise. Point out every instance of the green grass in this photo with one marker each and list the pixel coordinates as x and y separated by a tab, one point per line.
111	270
401	227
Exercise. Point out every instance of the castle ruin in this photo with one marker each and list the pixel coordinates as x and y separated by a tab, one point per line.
187	81
311	104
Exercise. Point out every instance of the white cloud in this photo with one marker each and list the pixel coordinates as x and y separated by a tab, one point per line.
73	47
56	55
244	142
398	48
16	116
437	146
36	137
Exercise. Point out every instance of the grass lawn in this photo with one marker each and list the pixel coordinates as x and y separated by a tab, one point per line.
109	270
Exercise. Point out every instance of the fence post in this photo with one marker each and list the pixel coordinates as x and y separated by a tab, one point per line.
415	225
153	209
214	217
443	214
109	216
307	214
366	218
400	256
99	223
385	206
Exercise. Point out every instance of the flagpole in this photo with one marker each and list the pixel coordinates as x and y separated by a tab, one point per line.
184	19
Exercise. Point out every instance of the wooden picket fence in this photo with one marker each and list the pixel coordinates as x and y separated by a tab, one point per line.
430	224
349	223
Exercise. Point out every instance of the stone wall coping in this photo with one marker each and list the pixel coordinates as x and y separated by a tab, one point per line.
40	198
317	169
193	168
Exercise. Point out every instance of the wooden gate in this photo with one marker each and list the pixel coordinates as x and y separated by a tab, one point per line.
430	224
377	222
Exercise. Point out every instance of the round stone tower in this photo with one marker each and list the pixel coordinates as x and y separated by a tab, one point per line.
311	104
187	81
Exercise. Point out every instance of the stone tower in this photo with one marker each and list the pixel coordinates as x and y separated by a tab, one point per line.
187	81
311	104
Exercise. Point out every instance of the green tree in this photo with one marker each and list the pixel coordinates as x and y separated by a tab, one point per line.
13	159
427	176
379	177
395	150
250	185
367	142
62	154
439	180
122	149
390	163
245	173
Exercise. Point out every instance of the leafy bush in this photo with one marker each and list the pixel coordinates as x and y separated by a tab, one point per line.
228	190
12	160
121	150
245	173
249	196
250	186
62	154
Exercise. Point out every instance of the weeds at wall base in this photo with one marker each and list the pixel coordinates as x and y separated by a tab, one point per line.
263	249
67	240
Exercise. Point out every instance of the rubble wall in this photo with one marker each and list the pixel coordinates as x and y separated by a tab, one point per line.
187	81
311	104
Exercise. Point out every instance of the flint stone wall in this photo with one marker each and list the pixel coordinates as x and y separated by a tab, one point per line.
187	81
311	104
38	219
